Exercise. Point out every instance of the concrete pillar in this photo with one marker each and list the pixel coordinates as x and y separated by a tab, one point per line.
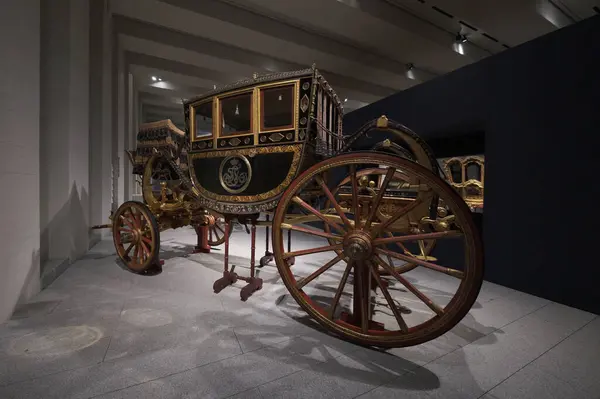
64	134
130	134
19	152
100	116
119	109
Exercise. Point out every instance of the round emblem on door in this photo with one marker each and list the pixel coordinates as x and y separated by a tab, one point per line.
235	173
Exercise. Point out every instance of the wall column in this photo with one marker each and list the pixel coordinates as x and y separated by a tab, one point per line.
64	135
100	117
19	152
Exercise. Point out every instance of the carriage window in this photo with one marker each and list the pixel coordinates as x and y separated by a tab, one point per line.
277	107
456	172
473	171
203	120
236	113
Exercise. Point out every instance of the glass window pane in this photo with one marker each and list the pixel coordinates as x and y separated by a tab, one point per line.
204	120
277	106
456	172
237	114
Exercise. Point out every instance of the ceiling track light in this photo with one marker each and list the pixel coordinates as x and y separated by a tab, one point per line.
410	71
461	38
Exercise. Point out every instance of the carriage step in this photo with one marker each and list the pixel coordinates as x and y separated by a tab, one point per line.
225	281
254	284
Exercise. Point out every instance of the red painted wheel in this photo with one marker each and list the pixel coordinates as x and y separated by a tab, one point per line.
136	237
340	280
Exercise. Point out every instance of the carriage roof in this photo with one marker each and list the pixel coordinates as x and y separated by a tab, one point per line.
258	80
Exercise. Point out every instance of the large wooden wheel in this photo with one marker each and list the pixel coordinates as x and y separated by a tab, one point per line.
136	237
346	289
216	232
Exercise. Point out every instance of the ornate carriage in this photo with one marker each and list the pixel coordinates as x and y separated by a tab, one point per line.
269	151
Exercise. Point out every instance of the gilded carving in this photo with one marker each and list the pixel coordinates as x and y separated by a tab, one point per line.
235	173
470	188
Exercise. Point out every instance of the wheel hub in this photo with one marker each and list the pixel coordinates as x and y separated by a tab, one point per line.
357	245
136	235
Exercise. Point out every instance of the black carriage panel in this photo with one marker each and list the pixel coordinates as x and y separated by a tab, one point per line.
249	176
265	173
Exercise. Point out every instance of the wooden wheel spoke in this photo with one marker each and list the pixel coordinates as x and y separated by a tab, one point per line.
126	252
417	237
312	251
319	271
377	201
145	249
410	259
147	240
311	231
388	298
126	221
318	214
217	226
355	203
397	215
138	253
340	289
333	201
399	243
390	269
210	234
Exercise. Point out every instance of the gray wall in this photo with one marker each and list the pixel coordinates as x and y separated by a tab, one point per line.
19	152
67	109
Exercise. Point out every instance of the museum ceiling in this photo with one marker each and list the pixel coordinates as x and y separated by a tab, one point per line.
368	49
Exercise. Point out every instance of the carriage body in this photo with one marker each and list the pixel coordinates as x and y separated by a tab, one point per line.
249	140
274	145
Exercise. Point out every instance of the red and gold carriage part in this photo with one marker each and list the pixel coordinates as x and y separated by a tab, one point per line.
376	216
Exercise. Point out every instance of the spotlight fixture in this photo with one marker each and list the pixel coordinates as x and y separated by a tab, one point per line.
459	43
154	78
345	100
461	38
410	71
214	87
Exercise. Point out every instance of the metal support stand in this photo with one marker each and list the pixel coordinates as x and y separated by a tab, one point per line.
268	255
229	277
254	283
